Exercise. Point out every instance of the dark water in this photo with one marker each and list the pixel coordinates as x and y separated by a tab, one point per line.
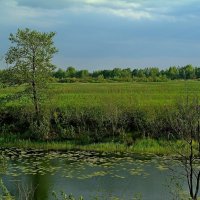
89	174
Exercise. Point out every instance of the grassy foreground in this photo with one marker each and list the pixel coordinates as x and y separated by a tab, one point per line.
142	146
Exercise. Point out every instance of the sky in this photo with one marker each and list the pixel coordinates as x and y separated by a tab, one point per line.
103	34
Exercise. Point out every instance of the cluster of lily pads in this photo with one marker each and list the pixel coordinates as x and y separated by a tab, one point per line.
76	164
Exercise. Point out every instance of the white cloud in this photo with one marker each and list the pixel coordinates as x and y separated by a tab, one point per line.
11	13
119	8
128	13
47	13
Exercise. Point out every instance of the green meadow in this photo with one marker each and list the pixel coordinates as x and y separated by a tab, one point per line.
88	113
121	95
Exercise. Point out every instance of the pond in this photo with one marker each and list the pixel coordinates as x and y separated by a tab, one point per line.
87	174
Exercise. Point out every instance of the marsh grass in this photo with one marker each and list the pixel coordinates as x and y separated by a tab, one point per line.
95	113
118	94
4	194
142	146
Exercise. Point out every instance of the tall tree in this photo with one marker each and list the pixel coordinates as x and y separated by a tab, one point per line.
29	58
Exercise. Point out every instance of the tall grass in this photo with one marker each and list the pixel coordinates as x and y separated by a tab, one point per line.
123	95
144	146
91	113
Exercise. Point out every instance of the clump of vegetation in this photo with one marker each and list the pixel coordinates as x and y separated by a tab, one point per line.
150	74
5	194
93	113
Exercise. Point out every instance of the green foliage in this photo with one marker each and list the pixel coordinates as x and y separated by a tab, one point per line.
30	55
90	113
5	193
29	58
150	74
64	196
39	131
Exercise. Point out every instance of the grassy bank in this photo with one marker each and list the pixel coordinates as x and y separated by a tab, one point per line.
142	146
95	113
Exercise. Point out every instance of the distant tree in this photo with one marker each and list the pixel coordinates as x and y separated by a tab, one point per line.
126	73
97	73
107	73
154	72
163	72
135	72
29	58
172	73
116	73
141	73
82	73
146	72
70	72
187	72
197	72
100	77
60	73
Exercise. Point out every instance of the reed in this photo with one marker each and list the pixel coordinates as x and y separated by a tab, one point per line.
143	146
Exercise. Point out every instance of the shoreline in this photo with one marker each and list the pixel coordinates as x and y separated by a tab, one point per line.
141	146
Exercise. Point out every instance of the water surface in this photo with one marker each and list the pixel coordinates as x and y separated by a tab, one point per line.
88	174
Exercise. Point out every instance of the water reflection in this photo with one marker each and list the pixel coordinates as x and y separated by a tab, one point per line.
85	173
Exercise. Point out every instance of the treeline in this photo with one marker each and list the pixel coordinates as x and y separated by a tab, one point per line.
151	74
117	74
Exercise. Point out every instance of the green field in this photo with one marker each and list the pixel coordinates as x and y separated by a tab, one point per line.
122	95
97	112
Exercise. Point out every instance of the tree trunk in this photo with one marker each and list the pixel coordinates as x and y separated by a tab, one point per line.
35	101
34	90
197	186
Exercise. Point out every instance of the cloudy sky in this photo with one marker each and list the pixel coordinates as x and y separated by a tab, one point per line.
96	34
